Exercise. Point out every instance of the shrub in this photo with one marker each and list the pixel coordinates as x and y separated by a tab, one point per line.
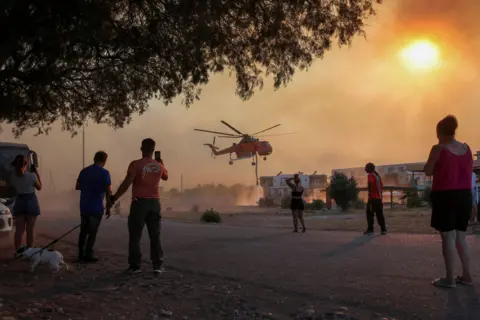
266	202
343	190
211	216
413	200
315	205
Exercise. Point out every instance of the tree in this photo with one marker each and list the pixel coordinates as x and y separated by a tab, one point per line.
105	59
343	190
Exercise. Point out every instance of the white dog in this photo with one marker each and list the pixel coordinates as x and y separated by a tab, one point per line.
51	257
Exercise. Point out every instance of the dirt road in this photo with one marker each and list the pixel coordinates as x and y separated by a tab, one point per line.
225	272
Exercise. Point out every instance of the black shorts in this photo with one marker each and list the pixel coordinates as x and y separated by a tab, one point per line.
451	209
297	204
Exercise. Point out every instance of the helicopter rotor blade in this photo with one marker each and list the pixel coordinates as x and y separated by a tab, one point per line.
215	132
231	137
276	134
228	125
266	130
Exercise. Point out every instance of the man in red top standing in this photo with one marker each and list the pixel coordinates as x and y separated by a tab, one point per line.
145	175
375	203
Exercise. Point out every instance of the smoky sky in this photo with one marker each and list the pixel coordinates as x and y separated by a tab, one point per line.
357	105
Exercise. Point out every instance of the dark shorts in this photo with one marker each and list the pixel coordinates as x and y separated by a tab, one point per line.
26	204
297	204
451	210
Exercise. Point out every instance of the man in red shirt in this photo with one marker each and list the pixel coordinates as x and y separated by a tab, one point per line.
375	203
144	175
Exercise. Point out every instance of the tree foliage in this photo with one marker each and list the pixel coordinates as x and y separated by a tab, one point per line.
105	59
343	190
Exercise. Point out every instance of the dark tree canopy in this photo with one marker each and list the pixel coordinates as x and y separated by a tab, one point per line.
105	59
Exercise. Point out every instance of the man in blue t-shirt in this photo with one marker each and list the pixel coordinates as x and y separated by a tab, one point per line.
93	182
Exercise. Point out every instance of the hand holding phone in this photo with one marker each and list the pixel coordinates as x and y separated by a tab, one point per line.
158	157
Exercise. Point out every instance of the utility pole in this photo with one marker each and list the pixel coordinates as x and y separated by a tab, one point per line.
181	183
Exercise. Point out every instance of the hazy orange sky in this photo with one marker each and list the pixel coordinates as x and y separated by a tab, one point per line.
358	104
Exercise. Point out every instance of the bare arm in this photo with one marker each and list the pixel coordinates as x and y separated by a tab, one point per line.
127	182
38	181
164	173
108	196
432	160
77	185
290	183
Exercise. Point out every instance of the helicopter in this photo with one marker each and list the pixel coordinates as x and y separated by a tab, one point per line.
249	146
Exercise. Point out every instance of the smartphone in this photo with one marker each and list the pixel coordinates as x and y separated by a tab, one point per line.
158	156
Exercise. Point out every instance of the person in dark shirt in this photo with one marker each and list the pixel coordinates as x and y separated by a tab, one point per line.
297	206
93	182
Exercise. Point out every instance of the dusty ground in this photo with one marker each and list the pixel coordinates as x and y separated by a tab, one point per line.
399	220
103	291
237	272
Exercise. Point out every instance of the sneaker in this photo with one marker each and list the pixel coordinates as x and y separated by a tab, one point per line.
384	232
368	233
294	231
134	270
158	268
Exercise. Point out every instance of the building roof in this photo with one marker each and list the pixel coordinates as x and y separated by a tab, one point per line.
383	166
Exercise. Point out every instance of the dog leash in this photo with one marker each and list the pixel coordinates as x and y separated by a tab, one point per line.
56	240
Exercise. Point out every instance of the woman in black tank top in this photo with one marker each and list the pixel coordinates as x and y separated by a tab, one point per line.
297	204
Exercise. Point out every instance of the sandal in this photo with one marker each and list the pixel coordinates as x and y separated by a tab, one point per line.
460	280
443	283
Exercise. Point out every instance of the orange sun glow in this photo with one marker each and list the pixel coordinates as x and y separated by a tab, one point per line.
420	55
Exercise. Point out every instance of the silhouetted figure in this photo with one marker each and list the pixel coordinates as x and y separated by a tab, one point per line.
374	203
145	175
297	205
451	164
26	208
93	182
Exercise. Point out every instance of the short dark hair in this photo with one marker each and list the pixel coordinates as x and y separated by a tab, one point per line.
447	126
370	167
148	145
100	156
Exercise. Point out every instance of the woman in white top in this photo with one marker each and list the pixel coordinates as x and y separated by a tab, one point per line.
26	208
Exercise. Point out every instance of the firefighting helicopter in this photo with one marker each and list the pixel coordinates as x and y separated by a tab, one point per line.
249	146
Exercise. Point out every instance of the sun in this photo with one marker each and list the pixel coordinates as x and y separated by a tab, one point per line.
421	55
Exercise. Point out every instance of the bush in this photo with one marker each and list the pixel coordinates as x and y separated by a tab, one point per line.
413	200
211	216
266	202
343	190
315	205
